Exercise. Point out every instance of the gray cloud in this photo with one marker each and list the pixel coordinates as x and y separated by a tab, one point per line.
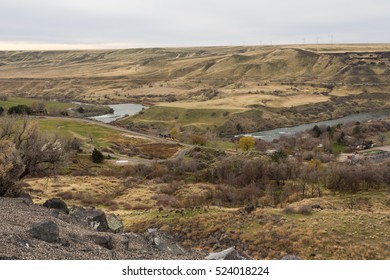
200	22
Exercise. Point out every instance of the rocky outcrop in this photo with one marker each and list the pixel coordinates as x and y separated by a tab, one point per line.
47	231
92	217
33	232
56	203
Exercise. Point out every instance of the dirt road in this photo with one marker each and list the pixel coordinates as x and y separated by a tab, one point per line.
345	156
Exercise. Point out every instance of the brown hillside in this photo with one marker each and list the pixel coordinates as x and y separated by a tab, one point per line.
124	74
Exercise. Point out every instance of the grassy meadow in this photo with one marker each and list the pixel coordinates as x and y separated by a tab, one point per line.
50	105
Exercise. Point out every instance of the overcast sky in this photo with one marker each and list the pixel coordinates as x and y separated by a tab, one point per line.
53	24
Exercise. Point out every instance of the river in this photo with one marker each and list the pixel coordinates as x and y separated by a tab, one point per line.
120	110
269	135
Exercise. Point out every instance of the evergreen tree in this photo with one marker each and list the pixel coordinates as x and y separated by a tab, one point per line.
97	156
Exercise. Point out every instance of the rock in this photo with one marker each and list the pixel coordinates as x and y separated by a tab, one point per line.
55	213
47	231
94	218
26	198
163	243
228	254
291	257
114	223
75	238
56	203
102	240
23	243
121	243
249	208
65	242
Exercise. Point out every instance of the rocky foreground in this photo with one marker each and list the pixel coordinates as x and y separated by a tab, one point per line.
29	231
54	231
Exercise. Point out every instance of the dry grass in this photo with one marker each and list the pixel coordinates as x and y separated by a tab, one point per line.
104	75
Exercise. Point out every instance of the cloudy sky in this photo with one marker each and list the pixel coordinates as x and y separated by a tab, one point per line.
64	24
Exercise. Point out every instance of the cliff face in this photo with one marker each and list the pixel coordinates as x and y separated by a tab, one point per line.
29	231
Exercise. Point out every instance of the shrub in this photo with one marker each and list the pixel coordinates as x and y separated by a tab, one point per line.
127	206
141	206
20	110
76	144
97	156
317	131
279	156
289	210
246	143
171	188
166	200
198	140
304	210
113	206
65	195
11	167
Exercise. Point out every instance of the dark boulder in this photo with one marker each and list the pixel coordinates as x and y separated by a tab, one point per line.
47	231
56	203
102	240
94	218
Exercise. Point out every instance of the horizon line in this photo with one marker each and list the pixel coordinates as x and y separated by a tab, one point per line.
31	46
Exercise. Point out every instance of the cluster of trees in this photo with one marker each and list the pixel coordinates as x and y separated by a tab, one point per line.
24	151
285	180
35	108
20	110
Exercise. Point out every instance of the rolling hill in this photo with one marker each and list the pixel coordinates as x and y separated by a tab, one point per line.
284	82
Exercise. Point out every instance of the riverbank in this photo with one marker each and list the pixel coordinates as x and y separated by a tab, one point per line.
119	111
269	135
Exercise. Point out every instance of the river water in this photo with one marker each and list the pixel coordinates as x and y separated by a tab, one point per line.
269	135
120	110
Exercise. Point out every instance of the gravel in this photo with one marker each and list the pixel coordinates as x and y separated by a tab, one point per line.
74	243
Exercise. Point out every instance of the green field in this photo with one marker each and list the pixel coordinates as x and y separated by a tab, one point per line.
50	105
172	116
70	129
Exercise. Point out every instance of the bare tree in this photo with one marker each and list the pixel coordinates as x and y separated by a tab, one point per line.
39	152
382	138
11	167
